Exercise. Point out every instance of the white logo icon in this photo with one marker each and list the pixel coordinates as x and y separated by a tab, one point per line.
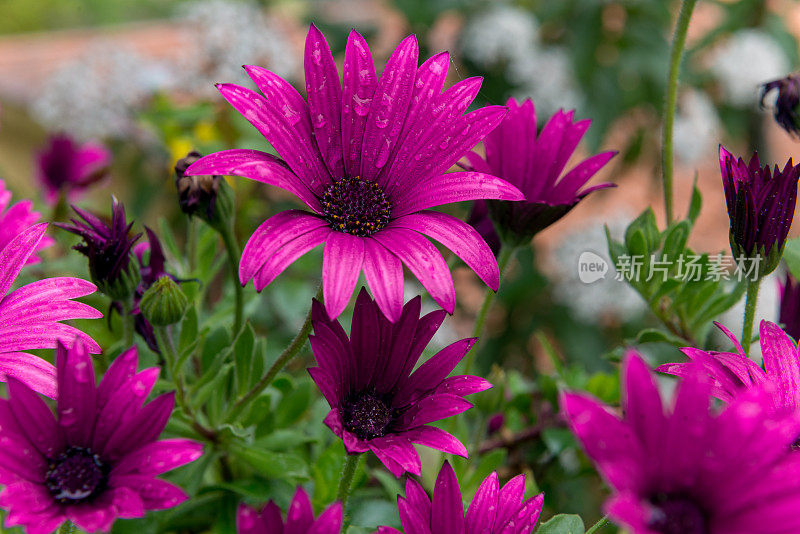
591	267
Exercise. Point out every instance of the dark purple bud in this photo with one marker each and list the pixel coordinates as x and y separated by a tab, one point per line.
207	197
787	103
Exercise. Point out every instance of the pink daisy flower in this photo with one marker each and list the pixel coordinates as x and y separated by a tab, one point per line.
299	518
97	458
492	511
14	218
377	403
368	158
535	165
688	468
30	315
64	166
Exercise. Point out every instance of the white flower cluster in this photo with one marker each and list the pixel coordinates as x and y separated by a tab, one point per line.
509	36
227	34
603	298
747	59
697	128
95	95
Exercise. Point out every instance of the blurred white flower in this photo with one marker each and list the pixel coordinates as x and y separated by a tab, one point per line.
547	77
747	59
602	299
503	33
96	95
697	126
225	35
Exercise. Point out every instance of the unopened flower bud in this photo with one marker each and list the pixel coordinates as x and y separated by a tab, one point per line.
204	196
787	103
164	303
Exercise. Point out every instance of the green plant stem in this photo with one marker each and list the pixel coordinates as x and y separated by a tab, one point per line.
676	52
288	353
603	521
191	244
749	314
506	253
127	324
345	483
66	528
232	249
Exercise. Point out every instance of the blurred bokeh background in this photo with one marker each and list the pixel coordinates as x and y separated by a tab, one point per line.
138	76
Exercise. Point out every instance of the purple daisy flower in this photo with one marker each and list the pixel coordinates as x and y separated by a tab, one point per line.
97	458
760	207
368	158
299	518
376	402
108	247
30	315
691	469
534	164
492	510
787	104
733	373
480	220
65	166
789	313
16	218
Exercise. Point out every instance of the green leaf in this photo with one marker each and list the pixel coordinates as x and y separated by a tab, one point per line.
675	240
189	328
285	466
243	357
557	439
293	405
696	202
563	524
791	255
653	335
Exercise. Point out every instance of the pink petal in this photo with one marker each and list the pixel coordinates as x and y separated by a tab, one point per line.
35	419
383	272
77	394
483	508
329	521
781	362
447	510
413	522
287	255
156	494
431	373
358	90
120	371
454	187
575	179
433	408
122	406
463	385
33	371
342	259
159	457
423	260
16	253
141	429
324	100
98	517
459	237
438	439
399	450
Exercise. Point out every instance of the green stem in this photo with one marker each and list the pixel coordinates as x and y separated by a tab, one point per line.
288	353
603	521
749	314
345	483
232	250
66	528
191	244
127	324
506	253
676	52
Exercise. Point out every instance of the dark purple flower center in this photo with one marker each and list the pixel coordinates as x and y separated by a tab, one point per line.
677	514
356	206
366	416
76	475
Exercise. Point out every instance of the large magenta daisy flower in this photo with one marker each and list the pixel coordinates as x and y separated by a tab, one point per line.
376	402
692	469
492	510
95	460
30	315
535	165
368	158
14	218
299	518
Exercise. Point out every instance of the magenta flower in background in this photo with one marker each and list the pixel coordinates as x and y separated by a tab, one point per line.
787	105
789	312
368	158
95	460
16	218
65	166
376	402
732	374
691	469
492	511
535	165
299	518
30	315
760	207
480	220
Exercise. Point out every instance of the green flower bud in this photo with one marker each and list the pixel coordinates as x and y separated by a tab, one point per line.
164	303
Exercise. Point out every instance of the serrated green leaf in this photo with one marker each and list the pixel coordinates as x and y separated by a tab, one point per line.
562	524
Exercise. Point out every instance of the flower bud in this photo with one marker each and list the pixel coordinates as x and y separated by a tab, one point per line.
208	197
164	303
787	103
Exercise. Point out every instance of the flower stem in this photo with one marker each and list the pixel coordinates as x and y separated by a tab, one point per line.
232	249
66	528
506	253
127	324
749	314
288	353
345	483
676	52
603	521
